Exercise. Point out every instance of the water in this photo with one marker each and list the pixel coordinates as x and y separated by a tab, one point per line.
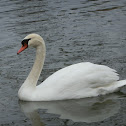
74	31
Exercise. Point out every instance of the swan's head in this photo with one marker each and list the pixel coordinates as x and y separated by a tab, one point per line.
31	40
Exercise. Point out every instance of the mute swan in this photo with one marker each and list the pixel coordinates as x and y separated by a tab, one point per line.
73	82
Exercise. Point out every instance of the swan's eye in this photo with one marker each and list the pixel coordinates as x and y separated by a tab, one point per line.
25	41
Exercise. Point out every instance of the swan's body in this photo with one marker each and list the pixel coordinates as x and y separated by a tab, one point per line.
76	81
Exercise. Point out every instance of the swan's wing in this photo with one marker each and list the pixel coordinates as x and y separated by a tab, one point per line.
101	76
78	81
87	74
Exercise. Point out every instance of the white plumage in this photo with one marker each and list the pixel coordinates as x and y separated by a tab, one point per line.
73	82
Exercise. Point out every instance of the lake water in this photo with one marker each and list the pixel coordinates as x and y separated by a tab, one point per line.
74	31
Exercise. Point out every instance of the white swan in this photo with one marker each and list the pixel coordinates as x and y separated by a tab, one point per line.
73	82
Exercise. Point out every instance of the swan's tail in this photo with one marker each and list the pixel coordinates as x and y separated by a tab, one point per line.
120	83
112	87
117	85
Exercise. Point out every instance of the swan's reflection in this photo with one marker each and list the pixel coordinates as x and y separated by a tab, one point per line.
82	110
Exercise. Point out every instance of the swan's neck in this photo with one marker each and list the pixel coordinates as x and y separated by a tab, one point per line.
33	77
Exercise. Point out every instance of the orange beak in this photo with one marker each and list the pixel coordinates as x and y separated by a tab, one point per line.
22	48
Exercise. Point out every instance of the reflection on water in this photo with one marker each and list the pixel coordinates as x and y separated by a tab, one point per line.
82	110
32	115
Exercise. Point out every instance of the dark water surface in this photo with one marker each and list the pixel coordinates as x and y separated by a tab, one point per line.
74	31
